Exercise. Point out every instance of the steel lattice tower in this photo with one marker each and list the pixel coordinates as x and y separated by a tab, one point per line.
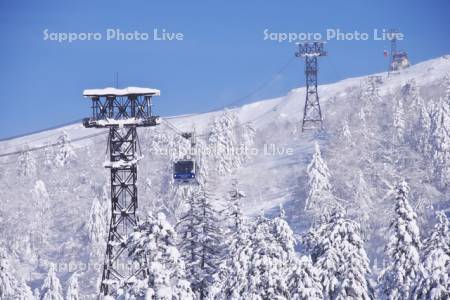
393	38
312	114
121	111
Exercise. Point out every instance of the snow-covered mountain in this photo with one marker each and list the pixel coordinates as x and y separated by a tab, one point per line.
370	142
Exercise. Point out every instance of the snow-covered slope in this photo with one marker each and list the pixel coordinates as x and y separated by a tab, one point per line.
47	194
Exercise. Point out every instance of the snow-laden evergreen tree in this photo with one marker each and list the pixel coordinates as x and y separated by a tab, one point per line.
154	244
440	142
234	210
48	156
188	232
320	200
24	292
37	294
267	267
337	251
51	289
210	245
105	202
346	134
64	149
201	243
39	220
303	281
260	260
96	226
399	125
284	235
238	245
402	251
223	143
362	203
416	120
238	262
363	130
423	129
26	162
72	292
433	282
248	133
8	282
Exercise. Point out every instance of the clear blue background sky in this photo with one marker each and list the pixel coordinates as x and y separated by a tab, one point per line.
223	55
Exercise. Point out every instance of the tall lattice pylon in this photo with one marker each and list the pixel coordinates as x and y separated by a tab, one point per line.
393	41
121	111
312	114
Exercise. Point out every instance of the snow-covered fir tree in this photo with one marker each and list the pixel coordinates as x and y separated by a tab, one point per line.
223	143
362	203
416	121
8	282
51	289
338	253
284	235
423	129
204	165
303	281
189	236
210	245
96	226
440	142
363	130
433	282
106	203
72	292
24	292
402	251
26	162
201	243
234	210
37	294
260	260
320	199
238	246
247	138
399	123
40	222
48	156
154	244
238	263
267	264
346	134
64	151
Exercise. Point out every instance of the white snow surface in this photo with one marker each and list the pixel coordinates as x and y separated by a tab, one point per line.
132	90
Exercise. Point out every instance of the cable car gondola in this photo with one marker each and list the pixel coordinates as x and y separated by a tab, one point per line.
184	170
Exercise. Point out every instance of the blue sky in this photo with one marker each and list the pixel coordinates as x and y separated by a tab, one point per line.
222	57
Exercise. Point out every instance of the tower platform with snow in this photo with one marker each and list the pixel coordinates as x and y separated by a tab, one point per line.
121	111
399	59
